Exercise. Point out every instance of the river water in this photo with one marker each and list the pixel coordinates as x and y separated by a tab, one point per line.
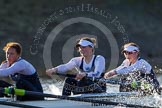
54	86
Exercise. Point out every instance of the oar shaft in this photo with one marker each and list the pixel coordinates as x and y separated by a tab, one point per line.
39	94
66	75
81	99
94	79
103	80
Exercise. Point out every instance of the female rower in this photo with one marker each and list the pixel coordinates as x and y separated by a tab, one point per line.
20	71
136	68
90	65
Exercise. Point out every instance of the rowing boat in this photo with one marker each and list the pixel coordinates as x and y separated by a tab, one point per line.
56	103
95	100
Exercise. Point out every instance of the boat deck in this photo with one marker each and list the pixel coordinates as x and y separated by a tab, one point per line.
57	103
128	98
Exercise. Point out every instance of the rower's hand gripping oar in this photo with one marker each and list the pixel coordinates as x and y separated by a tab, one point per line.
133	84
94	79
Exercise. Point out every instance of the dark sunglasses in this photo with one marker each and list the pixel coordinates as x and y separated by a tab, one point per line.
128	53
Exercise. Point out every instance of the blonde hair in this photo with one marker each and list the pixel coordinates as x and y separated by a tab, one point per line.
14	45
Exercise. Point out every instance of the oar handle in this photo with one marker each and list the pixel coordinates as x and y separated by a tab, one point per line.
15	91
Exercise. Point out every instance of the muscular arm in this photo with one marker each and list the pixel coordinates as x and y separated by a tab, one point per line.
14	68
140	65
68	66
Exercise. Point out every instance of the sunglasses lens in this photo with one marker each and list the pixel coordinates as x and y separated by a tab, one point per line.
128	53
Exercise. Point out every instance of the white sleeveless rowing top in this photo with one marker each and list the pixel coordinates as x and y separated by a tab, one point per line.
75	62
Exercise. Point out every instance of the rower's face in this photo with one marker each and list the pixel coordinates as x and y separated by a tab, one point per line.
85	50
11	55
131	55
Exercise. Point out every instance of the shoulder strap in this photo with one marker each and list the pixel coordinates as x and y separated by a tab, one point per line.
139	58
93	61
81	65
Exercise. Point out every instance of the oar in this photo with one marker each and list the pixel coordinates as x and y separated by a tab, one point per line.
104	80
21	92
66	75
108	95
94	79
4	90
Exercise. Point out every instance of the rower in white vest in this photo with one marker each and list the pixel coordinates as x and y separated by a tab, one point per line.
20	71
135	66
90	65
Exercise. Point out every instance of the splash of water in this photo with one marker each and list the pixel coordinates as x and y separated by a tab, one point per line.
54	87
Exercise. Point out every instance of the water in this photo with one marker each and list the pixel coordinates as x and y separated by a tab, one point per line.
53	86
